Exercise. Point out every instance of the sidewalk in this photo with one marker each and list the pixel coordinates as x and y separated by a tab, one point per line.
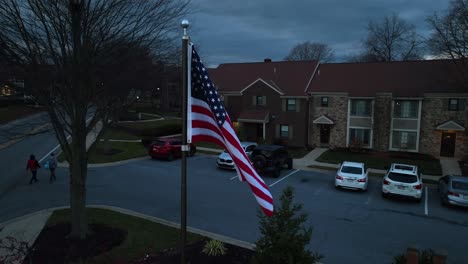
28	227
310	160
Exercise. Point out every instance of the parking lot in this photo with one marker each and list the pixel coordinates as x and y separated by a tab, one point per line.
349	226
363	226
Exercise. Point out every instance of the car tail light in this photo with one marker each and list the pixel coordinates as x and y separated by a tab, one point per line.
386	182
338	177
418	187
362	180
453	194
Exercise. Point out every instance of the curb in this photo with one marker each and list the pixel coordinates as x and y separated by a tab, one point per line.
201	232
98	165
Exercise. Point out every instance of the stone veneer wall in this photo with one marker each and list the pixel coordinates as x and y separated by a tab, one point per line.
337	110
435	112
382	121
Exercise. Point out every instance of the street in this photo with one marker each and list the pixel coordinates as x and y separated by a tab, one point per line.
351	227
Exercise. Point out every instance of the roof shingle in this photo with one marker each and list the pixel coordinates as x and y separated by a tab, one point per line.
402	79
291	77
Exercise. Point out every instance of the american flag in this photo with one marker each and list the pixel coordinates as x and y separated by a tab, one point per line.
209	121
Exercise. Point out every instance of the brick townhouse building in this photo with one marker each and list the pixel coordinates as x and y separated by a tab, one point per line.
414	106
266	100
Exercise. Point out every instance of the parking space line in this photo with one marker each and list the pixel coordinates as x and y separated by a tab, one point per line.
426	209
283	178
232	178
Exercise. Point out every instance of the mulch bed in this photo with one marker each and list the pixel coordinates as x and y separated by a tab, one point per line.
54	246
108	152
194	255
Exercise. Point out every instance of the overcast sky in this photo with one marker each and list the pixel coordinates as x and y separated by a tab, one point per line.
251	30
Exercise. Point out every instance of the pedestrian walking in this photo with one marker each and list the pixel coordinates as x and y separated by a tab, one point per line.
52	164
33	165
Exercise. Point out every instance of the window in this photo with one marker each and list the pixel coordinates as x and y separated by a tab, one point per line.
453	104
284	131
291	105
360	135
404	140
406	178
351	170
360	107
324	101
259	100
406	109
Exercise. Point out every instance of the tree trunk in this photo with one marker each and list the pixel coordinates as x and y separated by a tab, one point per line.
78	173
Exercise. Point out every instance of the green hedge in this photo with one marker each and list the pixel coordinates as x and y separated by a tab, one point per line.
149	131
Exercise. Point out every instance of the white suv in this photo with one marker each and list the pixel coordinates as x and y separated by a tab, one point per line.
403	180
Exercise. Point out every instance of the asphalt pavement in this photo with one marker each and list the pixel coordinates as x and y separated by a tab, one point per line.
349	227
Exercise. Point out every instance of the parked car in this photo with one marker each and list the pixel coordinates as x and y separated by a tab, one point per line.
453	190
271	159
403	180
352	175
168	148
225	160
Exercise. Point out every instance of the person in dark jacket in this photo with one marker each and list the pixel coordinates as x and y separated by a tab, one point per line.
33	165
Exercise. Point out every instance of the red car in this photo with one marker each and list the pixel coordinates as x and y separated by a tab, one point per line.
168	148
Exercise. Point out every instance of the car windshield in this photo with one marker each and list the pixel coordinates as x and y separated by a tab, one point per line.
460	185
402	177
351	170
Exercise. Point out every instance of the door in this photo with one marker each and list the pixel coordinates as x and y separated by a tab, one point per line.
324	134
447	146
259	131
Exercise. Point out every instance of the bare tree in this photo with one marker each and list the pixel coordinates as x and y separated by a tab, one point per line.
67	46
392	39
449	37
311	51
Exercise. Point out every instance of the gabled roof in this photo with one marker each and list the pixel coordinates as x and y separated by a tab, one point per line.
402	79
450	125
289	77
324	120
270	84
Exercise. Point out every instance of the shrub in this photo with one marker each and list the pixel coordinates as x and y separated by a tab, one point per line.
284	236
214	248
425	257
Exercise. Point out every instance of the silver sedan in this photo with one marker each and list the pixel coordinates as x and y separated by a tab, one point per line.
454	190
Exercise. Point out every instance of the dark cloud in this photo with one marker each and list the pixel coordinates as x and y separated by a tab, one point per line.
242	31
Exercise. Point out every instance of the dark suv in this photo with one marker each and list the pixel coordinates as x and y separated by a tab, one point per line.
271	159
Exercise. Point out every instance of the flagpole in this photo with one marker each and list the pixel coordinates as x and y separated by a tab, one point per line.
185	148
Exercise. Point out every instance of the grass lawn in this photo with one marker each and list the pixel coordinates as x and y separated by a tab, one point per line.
143	236
151	125
207	145
124	151
298	153
429	166
116	133
13	112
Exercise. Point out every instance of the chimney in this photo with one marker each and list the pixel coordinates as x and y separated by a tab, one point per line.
267	60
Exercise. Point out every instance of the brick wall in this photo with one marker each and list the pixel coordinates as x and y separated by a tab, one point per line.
337	111
435	112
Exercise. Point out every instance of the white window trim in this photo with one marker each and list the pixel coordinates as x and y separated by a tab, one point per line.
406	150
371	145
361	99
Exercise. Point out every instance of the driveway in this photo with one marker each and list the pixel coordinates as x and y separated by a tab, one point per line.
349	227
